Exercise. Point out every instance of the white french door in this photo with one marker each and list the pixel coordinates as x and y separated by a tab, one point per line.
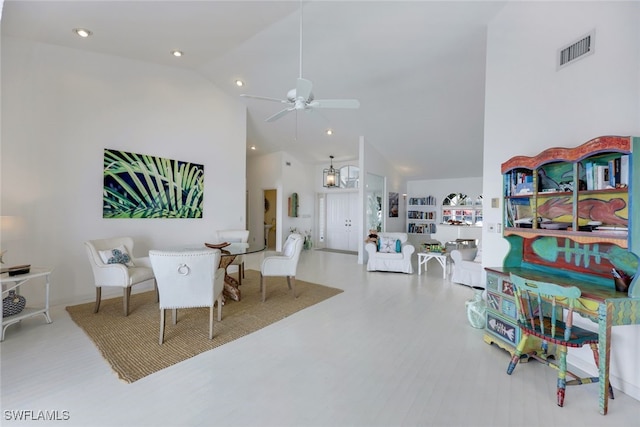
342	217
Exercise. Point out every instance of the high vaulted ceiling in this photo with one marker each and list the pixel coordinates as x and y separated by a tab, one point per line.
417	67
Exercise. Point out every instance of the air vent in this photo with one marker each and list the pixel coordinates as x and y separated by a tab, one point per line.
576	50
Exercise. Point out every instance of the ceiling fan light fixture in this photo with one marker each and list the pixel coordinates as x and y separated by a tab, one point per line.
82	32
331	176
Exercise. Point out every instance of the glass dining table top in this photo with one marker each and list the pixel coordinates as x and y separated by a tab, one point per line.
237	248
233	249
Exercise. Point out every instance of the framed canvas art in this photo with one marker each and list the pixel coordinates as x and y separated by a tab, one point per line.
393	205
142	186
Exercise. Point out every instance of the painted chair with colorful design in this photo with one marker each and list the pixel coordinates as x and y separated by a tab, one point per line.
540	314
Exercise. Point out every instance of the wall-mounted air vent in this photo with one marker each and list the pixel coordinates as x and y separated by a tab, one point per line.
576	50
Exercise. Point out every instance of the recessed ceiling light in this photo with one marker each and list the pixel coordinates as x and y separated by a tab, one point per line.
329	132
176	53
239	83
82	32
253	147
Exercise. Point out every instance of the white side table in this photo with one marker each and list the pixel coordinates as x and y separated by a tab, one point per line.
424	257
14	282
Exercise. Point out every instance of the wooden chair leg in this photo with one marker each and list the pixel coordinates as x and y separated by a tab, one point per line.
240	275
220	308
211	323
242	266
263	287
174	315
291	281
562	375
127	295
517	353
98	297
161	326
155	285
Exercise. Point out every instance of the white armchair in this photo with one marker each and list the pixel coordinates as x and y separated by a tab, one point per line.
113	264
284	264
235	236
188	279
394	254
467	267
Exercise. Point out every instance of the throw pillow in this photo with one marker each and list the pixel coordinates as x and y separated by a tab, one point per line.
387	245
117	255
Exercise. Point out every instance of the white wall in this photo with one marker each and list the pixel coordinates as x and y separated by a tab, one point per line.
61	107
530	107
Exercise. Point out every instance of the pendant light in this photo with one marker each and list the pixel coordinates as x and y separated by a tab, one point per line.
330	177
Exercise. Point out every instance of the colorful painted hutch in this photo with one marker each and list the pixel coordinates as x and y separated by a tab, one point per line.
569	218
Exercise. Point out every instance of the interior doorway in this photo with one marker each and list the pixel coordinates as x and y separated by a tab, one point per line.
270	218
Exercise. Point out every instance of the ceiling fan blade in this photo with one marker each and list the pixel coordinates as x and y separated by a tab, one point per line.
264	98
279	114
303	88
335	103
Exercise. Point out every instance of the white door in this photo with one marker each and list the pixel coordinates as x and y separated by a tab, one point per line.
342	221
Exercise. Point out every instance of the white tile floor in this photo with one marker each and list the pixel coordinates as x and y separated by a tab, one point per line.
393	349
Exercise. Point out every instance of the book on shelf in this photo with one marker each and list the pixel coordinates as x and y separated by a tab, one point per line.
588	171
624	169
612	176
600	176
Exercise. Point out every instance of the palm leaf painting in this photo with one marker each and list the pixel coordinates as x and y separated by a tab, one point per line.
142	186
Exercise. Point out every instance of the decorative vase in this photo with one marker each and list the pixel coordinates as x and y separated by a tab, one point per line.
13	304
476	310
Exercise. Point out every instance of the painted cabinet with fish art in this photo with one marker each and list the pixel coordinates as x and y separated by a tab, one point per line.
568	214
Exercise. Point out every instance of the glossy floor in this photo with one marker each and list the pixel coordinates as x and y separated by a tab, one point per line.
393	349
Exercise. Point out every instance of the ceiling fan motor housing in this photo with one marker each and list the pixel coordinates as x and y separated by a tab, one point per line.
291	97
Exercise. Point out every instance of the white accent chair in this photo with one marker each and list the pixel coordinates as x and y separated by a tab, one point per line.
188	279
390	261
467	267
235	236
284	264
118	269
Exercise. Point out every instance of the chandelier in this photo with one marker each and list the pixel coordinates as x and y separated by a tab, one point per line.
330	177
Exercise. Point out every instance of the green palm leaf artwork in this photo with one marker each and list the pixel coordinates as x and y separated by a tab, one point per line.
143	186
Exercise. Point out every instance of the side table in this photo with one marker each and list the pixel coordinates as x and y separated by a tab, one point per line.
424	257
14	282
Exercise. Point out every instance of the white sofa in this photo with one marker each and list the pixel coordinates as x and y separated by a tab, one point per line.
467	267
390	261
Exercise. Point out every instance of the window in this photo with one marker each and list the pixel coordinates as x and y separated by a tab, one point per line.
349	176
459	209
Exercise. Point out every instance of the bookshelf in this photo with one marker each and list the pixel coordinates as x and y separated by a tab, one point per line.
421	215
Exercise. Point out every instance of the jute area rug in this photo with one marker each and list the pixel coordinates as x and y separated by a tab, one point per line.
130	344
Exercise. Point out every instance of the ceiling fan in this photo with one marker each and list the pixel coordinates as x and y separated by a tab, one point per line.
301	98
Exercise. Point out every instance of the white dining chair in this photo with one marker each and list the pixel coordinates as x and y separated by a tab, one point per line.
188	279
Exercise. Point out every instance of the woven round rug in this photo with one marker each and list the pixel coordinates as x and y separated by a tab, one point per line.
130	344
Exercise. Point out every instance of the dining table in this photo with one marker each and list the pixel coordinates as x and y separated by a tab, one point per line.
228	253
